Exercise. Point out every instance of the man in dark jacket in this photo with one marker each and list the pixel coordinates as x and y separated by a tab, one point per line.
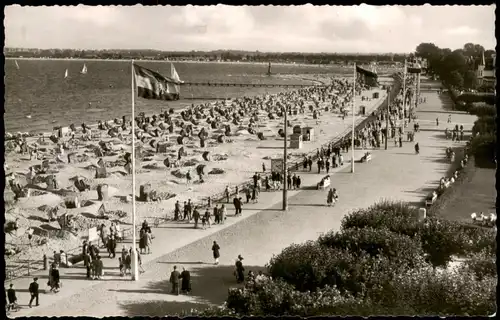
11	295
33	289
240	276
174	280
185	281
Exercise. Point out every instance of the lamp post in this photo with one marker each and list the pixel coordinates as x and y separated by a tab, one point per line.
285	198
387	116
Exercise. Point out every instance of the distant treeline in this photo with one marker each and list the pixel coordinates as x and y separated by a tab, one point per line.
222	55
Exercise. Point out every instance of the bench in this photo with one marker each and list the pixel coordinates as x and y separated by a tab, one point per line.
431	199
366	158
324	183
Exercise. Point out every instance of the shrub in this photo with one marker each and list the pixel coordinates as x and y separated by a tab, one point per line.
310	266
481	265
277	298
483	149
441	239
398	217
396	247
485	125
488	98
445	293
479	240
483	110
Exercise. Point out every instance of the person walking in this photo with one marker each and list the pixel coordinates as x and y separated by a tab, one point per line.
87	262
216	252
33	289
11	296
99	268
417	148
329	197
222	214
206	218
248	194
149	241
227	193
174	281
139	261
240	275
185	281
185	211
55	278
177	211
196	217
216	214
112	245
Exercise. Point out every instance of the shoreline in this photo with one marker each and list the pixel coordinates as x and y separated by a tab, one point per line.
182	61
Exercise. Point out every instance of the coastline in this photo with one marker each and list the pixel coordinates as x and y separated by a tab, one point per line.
182	61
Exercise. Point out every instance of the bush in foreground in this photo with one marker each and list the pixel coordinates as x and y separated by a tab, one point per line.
397	247
420	291
398	217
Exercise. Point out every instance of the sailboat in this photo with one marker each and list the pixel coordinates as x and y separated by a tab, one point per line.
84	69
174	74
17	65
66	74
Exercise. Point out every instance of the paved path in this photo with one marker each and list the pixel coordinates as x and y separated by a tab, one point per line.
264	230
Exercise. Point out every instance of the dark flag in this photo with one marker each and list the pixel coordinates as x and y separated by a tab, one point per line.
370	78
152	85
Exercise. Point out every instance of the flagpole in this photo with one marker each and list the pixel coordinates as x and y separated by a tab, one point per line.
135	267
353	107
404	92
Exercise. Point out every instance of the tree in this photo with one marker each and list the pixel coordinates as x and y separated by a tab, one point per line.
455	79
470	79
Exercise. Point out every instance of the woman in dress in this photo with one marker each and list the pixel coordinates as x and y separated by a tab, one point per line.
216	252
55	278
329	197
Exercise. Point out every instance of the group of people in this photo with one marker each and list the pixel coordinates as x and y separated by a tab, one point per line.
11	303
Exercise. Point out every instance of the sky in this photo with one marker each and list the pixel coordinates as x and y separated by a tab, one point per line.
307	28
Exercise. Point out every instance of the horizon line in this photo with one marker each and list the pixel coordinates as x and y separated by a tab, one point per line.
209	51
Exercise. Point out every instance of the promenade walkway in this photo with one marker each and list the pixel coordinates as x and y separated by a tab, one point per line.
263	231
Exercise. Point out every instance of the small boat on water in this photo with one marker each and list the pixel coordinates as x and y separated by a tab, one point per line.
17	65
84	69
66	74
28	116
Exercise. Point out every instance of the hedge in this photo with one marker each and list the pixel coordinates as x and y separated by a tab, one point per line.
484	125
439	239
488	98
421	291
398	217
483	148
310	266
395	246
483	110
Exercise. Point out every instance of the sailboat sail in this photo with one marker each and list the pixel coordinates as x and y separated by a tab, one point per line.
66	74
84	69
174	87
17	65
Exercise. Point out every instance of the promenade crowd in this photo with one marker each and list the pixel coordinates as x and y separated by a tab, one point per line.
371	135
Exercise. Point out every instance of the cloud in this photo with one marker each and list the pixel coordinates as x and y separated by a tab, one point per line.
304	28
461	31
